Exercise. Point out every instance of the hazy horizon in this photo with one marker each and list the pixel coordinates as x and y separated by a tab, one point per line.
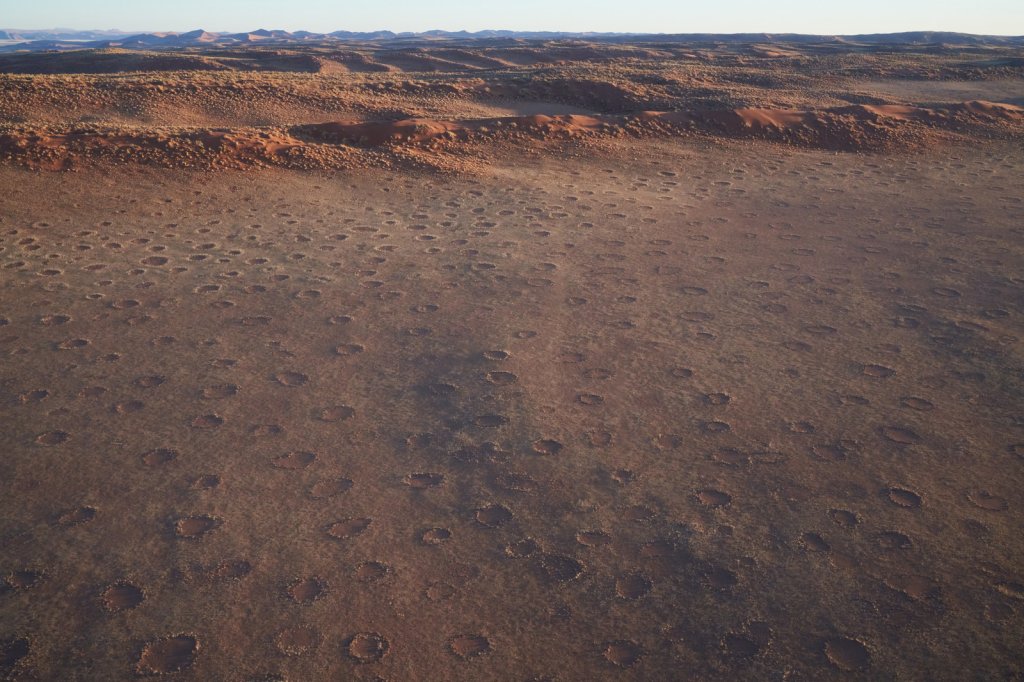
992	17
136	31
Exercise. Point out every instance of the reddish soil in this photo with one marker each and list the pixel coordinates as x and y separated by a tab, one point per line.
712	372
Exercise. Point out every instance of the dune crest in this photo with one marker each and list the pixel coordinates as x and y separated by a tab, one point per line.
341	144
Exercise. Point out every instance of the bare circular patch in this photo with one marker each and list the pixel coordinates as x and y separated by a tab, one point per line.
469	646
422	481
207	421
306	590
714	499
294	460
558	568
168	655
219	392
847	654
159	457
632	586
347	349
291	379
77	516
623	653
593	538
435	536
983	499
547	446
900	435
335	413
902	497
196	526
843	517
493	515
877	371
51	438
371	571
13	652
348	528
368	647
121	596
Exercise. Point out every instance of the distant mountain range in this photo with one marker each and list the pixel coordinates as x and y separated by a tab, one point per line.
66	39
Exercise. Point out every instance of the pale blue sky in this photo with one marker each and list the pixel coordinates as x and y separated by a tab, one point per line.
1002	17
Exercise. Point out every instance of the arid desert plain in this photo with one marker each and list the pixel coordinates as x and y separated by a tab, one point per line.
513	360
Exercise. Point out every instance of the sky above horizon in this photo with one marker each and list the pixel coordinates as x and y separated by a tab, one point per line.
997	17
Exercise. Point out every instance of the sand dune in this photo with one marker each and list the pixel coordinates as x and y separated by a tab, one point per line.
337	144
